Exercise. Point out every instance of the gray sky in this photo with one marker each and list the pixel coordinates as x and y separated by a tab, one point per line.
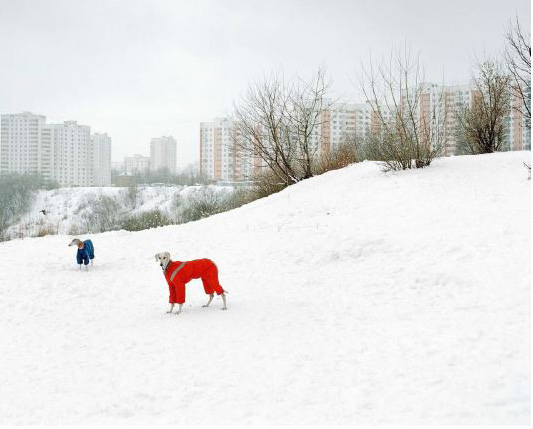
142	69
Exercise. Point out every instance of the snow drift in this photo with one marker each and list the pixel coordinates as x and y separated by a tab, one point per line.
356	297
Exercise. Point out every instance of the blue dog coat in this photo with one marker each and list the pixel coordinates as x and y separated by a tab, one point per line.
85	254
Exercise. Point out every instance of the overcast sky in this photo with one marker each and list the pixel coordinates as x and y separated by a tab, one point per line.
143	69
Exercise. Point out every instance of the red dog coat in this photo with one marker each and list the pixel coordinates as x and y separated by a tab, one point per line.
179	273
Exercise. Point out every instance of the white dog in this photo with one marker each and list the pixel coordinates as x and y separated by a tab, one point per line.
179	273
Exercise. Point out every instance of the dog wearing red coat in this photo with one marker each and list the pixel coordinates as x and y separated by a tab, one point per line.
179	273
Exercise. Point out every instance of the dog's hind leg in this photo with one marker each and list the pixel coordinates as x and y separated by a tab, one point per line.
224	301
179	309
210	299
171	308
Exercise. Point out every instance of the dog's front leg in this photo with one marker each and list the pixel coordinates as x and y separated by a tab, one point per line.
179	309
210	299
171	308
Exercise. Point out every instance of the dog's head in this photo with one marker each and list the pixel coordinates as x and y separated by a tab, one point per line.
163	259
75	242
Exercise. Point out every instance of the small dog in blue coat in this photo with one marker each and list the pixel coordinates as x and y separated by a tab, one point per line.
85	252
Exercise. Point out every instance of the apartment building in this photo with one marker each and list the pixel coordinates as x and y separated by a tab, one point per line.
519	134
343	122
163	153
73	153
219	159
22	146
346	121
101	159
337	123
443	101
438	105
65	152
136	164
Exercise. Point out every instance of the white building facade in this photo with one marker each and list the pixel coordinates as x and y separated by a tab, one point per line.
218	157
22	147
342	122
163	153
65	152
73	153
445	100
101	159
136	164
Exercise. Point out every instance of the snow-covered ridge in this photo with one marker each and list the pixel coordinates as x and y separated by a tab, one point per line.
66	209
356	298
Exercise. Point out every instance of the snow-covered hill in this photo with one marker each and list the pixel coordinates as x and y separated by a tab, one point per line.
356	297
68	210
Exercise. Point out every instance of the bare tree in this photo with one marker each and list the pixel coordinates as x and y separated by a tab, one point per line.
481	125
518	61
407	131
276	122
307	104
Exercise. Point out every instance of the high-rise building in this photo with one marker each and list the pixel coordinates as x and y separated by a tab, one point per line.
434	107
163	154
136	164
218	156
519	133
444	100
438	105
342	122
23	149
73	153
65	153
101	159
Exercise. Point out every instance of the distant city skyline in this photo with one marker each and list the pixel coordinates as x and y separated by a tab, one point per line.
139	70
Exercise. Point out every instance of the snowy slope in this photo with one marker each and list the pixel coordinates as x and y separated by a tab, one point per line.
356	297
67	208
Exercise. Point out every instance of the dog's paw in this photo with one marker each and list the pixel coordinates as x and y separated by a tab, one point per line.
224	308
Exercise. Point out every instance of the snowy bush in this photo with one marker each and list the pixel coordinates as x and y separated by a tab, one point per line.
16	192
104	215
266	183
201	203
91	210
339	156
145	220
130	197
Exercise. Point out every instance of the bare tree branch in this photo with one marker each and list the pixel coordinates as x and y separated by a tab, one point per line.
518	61
276	121
481	125
405	134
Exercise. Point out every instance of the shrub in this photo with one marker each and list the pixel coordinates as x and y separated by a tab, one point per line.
16	191
130	197
266	183
46	229
146	220
201	203
104	215
340	156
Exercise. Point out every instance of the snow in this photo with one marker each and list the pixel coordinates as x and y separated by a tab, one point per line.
355	298
67	208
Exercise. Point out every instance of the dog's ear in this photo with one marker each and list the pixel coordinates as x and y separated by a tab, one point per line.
157	257
167	254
